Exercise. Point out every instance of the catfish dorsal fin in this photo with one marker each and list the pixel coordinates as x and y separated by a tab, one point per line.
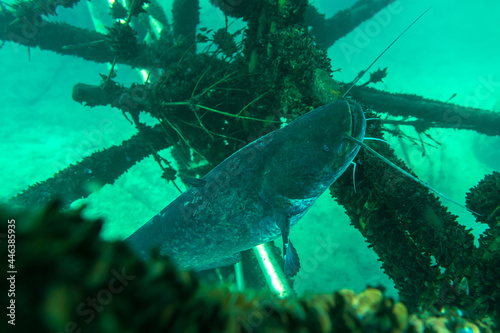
381	54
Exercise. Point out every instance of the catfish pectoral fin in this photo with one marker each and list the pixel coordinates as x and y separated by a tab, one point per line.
292	262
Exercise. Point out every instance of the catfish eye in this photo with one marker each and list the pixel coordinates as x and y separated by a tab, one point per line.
326	148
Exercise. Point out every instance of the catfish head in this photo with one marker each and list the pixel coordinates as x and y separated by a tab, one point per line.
312	151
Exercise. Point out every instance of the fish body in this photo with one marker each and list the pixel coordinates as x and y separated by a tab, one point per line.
257	193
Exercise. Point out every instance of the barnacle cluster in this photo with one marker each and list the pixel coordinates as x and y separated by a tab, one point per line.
485	200
123	41
295	59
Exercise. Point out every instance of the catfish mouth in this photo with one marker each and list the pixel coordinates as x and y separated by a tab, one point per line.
358	121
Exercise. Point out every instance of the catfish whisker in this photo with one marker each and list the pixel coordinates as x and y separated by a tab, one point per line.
377	139
407	174
381	54
354	175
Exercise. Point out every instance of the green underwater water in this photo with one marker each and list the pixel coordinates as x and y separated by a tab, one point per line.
452	50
